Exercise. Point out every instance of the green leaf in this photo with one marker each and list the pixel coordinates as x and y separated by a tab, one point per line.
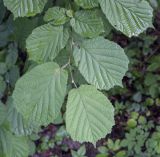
58	120
19	126
131	17
82	150
12	56
87	23
13	75
3	113
87	4
32	148
11	145
21	8
6	31
89	114
2	11
2	86
57	15
62	57
39	94
3	68
46	41
23	28
101	62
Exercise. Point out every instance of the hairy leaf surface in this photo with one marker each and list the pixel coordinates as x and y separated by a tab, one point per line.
88	23
21	8
89	114
19	126
3	113
11	145
101	62
131	17
46	41
87	4
57	15
39	94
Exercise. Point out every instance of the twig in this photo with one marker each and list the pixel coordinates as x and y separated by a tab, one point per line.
70	69
69	64
73	82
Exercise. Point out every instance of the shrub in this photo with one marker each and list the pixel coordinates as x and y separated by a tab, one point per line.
72	61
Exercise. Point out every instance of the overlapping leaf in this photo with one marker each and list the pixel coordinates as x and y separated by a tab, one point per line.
3	113
21	8
88	23
101	62
131	17
46	41
17	123
2	11
87	4
2	84
89	114
11	145
57	15
23	28
39	94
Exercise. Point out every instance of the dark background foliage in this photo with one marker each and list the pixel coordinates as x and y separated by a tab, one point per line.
137	105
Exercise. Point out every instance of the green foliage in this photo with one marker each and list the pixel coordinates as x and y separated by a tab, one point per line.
2	10
32	95
113	146
88	105
40	43
131	123
153	143
87	23
93	58
2	86
11	144
57	15
25	8
22	28
131	17
87	4
135	140
3	113
80	153
65	56
18	124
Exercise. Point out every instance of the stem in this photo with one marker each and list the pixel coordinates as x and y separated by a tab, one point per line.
73	82
69	64
70	68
